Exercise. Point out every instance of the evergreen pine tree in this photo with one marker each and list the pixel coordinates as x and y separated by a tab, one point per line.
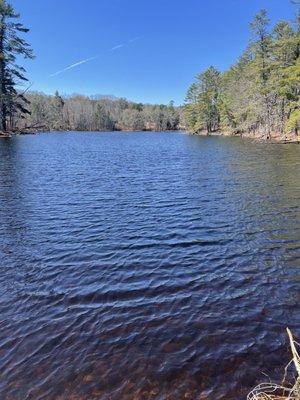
11	45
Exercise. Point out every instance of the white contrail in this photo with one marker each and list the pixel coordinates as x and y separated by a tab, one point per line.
134	39
118	46
74	65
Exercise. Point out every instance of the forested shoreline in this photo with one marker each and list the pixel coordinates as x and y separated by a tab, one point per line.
95	113
259	96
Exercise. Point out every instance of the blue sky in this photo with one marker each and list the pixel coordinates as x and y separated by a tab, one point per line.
164	43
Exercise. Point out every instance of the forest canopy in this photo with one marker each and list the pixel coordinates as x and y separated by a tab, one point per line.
260	94
96	113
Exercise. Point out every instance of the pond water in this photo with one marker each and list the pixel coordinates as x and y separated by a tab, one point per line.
146	265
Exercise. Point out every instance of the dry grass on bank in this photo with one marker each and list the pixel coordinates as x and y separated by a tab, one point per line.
272	391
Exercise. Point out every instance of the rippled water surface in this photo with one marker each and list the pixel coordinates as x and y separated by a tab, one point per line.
146	265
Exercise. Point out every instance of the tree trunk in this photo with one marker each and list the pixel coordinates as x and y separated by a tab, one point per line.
282	122
3	111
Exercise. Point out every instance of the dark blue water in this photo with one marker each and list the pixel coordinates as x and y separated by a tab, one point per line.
146	265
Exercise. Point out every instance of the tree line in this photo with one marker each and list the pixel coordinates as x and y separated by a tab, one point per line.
83	113
260	94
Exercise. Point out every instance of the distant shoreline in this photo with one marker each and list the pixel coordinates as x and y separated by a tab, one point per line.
273	138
